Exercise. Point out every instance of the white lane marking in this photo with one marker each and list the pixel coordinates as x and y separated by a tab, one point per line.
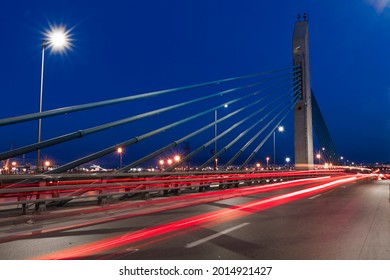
315	196
206	239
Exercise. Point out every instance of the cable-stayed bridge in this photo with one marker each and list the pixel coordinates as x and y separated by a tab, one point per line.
218	128
258	104
251	108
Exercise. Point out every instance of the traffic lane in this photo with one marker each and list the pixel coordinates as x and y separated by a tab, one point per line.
118	229
335	225
377	244
121	210
159	233
349	222
57	241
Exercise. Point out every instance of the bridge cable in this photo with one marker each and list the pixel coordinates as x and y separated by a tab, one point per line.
270	133
76	108
132	141
82	133
246	145
204	146
323	135
242	134
251	140
177	142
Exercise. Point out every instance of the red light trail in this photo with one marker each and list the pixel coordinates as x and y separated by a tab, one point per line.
235	212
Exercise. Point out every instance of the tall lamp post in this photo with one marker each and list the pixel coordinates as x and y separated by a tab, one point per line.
120	152
215	137
58	39
318	156
287	162
267	158
40	106
280	129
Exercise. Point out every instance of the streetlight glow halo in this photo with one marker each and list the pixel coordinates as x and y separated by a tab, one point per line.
58	38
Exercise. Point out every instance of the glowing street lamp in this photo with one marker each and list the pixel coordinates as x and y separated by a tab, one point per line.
318	156
58	40
288	160
177	158
280	129
215	137
267	158
14	163
120	152
161	162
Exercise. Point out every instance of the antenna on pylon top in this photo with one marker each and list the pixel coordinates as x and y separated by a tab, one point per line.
305	17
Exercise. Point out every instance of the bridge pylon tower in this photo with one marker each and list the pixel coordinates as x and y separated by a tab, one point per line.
303	121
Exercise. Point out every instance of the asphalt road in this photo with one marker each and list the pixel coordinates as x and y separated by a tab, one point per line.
351	221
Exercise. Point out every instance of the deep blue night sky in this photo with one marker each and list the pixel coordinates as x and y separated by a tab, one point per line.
127	47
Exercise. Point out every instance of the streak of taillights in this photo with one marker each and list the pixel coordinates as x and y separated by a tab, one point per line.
93	248
186	201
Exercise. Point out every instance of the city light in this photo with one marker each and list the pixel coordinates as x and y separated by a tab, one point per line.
318	156
58	39
120	152
280	129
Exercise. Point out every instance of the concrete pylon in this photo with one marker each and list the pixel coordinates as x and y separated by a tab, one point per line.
303	121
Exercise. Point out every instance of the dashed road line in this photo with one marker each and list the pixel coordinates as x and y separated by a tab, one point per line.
211	237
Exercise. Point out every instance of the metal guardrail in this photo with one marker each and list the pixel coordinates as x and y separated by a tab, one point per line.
40	190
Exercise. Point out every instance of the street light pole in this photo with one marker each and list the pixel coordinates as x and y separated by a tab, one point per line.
40	106
57	39
267	162
280	129
215	139
274	147
120	152
318	156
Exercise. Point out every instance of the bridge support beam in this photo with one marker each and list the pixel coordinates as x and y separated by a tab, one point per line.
303	127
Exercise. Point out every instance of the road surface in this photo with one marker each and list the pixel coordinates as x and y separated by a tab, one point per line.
348	221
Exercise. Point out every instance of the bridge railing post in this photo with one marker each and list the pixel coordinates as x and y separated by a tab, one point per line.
40	206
